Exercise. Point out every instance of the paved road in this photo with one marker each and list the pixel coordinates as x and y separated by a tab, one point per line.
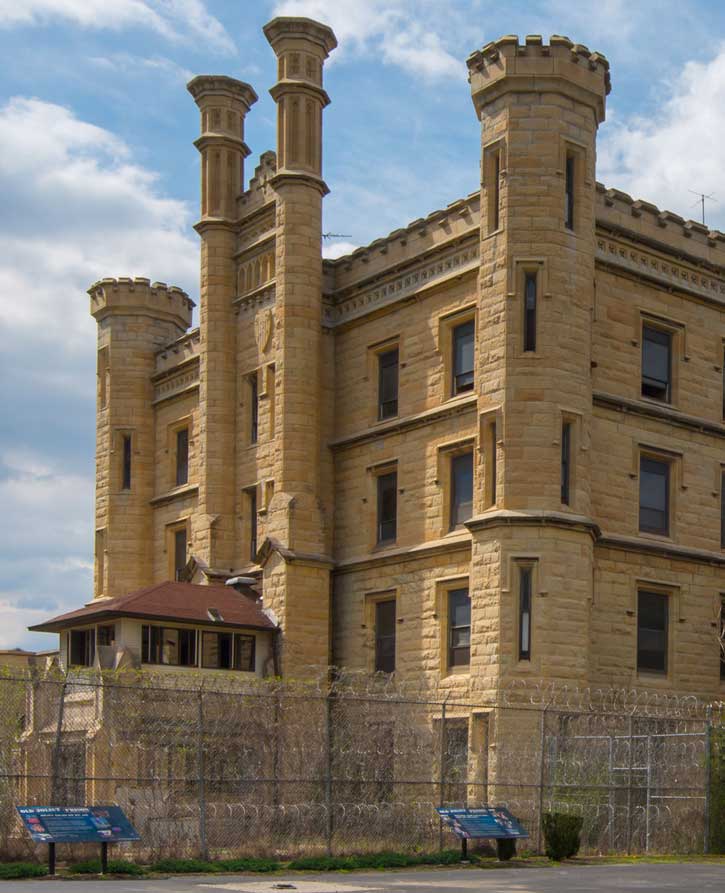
692	877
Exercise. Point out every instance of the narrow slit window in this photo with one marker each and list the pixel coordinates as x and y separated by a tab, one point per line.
126	474
463	349
493	437
723	383
569	206
459	628
654	496
182	457
656	364
179	552
385	636
252	509
652	632
388	365
253	408
387	507
530	288
722	508
565	462
525	575
496	204
461	489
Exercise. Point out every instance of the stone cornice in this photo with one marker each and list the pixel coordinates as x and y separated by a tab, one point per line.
455	406
216	223
292	86
533	518
173	495
453	543
660	413
664	550
298	178
225	140
264	296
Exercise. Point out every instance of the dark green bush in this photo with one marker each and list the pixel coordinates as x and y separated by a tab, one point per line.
115	866
561	832
10	871
248	864
373	860
183	866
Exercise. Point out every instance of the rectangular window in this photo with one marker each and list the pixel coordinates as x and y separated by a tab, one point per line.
525	580
216	651
652	622
253	408
496	175
722	509
461	489
105	635
385	636
656	364
569	206
493	437
182	456
126	469
723	384
459	628
530	311
179	552
463	338
388	384
244	652
387	507
721	641
82	647
654	496
252	509
565	461
168	646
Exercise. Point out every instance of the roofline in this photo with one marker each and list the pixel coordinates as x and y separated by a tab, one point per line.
59	625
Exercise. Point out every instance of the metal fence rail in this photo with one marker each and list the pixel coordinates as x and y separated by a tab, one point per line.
226	766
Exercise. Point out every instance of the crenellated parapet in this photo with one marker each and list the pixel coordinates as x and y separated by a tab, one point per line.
139	296
506	65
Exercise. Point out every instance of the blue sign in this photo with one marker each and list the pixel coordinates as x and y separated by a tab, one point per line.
489	821
77	824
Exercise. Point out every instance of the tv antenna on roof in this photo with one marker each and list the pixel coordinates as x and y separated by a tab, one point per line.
701	201
336	236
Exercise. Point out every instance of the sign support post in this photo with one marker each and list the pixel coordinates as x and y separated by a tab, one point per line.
104	858
51	859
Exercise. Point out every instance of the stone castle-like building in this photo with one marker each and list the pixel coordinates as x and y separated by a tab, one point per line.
489	445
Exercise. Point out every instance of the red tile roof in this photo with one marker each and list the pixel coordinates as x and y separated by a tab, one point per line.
180	602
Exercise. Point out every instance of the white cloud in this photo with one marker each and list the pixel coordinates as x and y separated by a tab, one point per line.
399	32
173	19
129	65
333	250
678	148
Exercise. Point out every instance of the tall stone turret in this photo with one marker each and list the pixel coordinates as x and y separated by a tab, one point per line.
297	587
135	319
223	103
539	107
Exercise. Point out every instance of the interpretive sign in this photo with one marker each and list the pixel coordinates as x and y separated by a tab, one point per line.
77	824
489	821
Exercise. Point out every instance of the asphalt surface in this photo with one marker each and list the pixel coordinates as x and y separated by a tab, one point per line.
692	877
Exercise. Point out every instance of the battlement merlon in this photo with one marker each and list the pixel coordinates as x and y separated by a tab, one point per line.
139	297
561	66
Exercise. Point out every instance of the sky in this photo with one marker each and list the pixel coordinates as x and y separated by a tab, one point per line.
99	177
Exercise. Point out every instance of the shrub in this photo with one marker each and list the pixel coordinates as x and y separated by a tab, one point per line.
115	866
183	866
561	832
15	870
373	860
248	864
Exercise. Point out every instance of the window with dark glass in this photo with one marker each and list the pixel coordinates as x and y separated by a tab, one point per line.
565	461
463	338
461	489
721	640
216	650
723	384
656	364
652	622
525	586
459	628
387	507
105	635
244	652
82	647
530	311
722	509
169	646
179	552
253	408
654	495
252	509
388	384
496	175
126	475
385	636
569	206
492	462
182	456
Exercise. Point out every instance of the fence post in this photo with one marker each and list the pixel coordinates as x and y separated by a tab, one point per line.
201	773
649	793
442	773
328	770
629	789
55	764
542	747
708	777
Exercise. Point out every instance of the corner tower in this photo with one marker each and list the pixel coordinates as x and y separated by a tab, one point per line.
223	104
539	106
135	320
297	587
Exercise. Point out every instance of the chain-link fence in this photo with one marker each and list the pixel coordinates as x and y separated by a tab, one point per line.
230	766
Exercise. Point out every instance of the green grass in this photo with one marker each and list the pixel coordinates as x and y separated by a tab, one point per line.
373	860
10	871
